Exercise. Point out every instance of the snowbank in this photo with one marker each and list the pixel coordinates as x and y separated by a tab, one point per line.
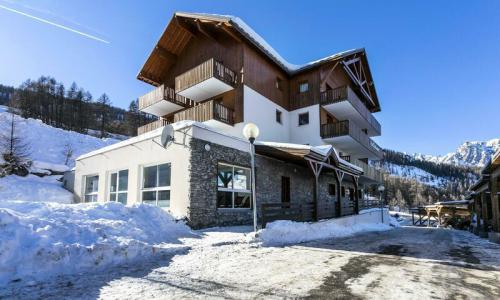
33	188
39	240
290	232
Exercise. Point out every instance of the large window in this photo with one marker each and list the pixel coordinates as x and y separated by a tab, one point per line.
156	185
91	188
233	187
118	186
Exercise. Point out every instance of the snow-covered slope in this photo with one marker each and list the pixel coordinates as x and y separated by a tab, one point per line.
48	147
472	154
47	144
415	173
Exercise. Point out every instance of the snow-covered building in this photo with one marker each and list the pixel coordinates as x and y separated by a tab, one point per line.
212	75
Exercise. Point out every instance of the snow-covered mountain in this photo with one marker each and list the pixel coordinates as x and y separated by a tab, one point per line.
471	154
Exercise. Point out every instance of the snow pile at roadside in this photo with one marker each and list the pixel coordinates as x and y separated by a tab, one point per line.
39	240
33	188
290	232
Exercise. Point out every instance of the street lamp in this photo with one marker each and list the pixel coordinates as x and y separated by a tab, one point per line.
381	189
251	132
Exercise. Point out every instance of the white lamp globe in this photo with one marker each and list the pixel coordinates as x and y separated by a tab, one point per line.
381	188
251	131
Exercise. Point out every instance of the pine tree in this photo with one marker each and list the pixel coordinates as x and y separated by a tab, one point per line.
15	151
103	106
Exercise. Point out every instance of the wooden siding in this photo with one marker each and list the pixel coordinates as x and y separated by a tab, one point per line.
208	110
152	126
163	93
205	70
345	127
311	97
260	74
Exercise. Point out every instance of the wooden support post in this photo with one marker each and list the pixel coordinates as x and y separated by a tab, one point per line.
494	181
356	194
316	168
339	175
484	206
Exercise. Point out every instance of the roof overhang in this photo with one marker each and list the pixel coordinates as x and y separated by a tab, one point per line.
185	26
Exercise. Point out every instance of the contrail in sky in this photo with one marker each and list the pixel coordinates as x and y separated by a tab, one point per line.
55	24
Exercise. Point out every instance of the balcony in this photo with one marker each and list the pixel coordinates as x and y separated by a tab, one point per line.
348	137
344	104
207	111
370	174
162	101
152	126
205	81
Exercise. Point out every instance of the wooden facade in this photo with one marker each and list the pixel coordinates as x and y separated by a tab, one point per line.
486	200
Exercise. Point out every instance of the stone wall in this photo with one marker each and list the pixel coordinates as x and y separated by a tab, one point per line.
203	211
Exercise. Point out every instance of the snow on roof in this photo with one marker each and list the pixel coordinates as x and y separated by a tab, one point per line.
323	150
259	41
152	134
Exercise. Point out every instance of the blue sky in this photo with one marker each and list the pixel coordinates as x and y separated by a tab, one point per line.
435	63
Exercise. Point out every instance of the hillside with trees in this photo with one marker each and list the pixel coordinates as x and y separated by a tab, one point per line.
72	108
411	181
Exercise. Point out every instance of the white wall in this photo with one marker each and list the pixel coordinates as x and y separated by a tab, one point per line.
305	134
133	157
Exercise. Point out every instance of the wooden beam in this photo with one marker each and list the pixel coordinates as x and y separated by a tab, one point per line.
182	24
203	31
328	74
164	53
228	31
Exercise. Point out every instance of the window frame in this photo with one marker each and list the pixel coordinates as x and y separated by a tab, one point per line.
117	172
155	189
279	83
301	84
96	193
232	189
303	114
279	117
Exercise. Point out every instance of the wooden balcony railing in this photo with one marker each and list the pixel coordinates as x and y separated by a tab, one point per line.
369	171
299	100
206	70
345	93
152	126
163	93
345	127
205	111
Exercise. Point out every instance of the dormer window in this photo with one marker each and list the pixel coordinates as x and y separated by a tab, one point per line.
303	87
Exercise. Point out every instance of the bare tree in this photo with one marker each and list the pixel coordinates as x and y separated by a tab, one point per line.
15	151
67	152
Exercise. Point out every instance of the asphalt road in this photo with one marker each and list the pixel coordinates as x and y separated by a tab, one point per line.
404	263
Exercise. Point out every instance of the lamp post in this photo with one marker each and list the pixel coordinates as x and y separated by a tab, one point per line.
251	132
381	189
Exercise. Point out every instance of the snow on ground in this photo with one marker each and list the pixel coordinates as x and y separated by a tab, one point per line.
39	240
47	143
290	232
33	188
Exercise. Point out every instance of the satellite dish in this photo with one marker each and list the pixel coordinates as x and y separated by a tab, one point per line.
167	135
